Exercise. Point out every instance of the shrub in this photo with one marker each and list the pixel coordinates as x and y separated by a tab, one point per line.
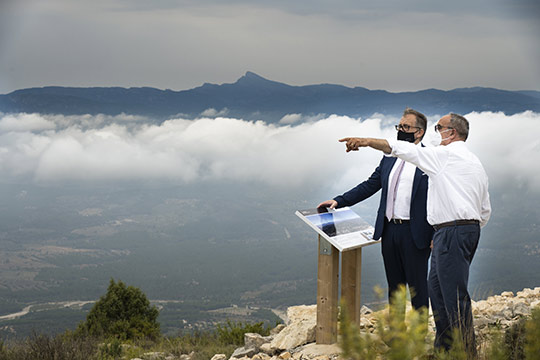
233	332
532	336
45	347
397	335
203	345
514	341
403	336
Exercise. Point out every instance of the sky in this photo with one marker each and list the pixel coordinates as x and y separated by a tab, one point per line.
180	44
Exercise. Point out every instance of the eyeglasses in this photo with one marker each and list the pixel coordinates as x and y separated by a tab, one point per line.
439	127
405	127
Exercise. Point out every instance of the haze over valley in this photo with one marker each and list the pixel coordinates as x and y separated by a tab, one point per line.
199	213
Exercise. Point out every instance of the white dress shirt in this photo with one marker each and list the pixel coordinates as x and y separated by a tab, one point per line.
458	184
402	201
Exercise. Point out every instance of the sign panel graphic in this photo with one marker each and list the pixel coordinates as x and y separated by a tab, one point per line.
342	227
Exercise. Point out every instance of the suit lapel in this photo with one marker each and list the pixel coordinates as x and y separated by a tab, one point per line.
417	177
385	173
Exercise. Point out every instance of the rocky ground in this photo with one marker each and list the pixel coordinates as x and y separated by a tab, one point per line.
296	339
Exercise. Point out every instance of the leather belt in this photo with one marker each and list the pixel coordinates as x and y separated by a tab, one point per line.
400	221
455	223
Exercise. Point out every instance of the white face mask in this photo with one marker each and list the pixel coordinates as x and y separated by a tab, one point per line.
438	137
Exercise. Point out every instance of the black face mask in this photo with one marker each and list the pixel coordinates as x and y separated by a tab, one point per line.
404	136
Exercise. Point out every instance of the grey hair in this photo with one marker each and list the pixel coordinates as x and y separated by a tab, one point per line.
460	124
421	120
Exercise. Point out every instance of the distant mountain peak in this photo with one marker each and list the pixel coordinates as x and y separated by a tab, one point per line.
250	78
252	75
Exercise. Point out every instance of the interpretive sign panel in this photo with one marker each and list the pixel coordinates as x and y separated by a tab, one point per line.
342	227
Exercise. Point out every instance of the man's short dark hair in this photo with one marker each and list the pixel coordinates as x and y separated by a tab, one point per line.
460	124
421	120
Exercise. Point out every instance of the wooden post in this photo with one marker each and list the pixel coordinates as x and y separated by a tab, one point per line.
327	293
351	279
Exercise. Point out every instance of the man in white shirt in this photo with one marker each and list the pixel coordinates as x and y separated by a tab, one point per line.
457	206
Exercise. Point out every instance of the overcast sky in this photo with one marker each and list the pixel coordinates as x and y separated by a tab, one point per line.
179	44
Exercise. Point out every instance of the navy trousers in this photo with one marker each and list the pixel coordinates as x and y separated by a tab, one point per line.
404	263
453	251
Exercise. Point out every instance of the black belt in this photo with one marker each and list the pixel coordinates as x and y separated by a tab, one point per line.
399	221
455	223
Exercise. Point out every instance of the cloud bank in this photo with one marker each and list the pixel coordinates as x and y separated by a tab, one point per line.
51	149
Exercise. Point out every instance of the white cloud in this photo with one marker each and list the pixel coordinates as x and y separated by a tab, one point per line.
211	112
508	146
25	122
290	119
306	154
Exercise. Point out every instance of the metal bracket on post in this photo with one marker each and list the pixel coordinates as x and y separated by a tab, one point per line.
325	247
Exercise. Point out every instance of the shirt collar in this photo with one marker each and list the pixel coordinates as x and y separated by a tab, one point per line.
457	143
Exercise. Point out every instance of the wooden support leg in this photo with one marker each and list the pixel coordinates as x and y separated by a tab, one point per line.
327	293
351	279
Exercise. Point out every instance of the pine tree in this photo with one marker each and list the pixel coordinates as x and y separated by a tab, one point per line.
124	313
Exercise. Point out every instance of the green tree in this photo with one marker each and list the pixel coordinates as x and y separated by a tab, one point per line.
124	313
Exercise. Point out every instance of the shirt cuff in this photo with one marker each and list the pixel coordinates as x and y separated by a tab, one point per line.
392	142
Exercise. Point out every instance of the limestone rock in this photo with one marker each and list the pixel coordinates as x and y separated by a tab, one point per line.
219	357
285	355
364	310
522	309
243	352
277	329
301	312
301	329
311	351
254	340
261	356
267	349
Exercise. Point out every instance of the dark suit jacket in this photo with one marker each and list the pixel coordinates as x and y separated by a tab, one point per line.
422	232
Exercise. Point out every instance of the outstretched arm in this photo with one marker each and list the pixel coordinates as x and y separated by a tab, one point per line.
428	159
354	143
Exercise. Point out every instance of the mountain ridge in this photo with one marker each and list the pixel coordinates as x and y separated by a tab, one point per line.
253	97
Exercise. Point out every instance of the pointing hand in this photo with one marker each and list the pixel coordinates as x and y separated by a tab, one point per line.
353	143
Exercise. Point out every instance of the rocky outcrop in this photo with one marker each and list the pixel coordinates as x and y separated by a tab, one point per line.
299	331
505	309
296	340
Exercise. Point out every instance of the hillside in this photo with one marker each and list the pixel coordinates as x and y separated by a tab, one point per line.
506	325
253	97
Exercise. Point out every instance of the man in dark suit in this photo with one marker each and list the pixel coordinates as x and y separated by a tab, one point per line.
401	218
